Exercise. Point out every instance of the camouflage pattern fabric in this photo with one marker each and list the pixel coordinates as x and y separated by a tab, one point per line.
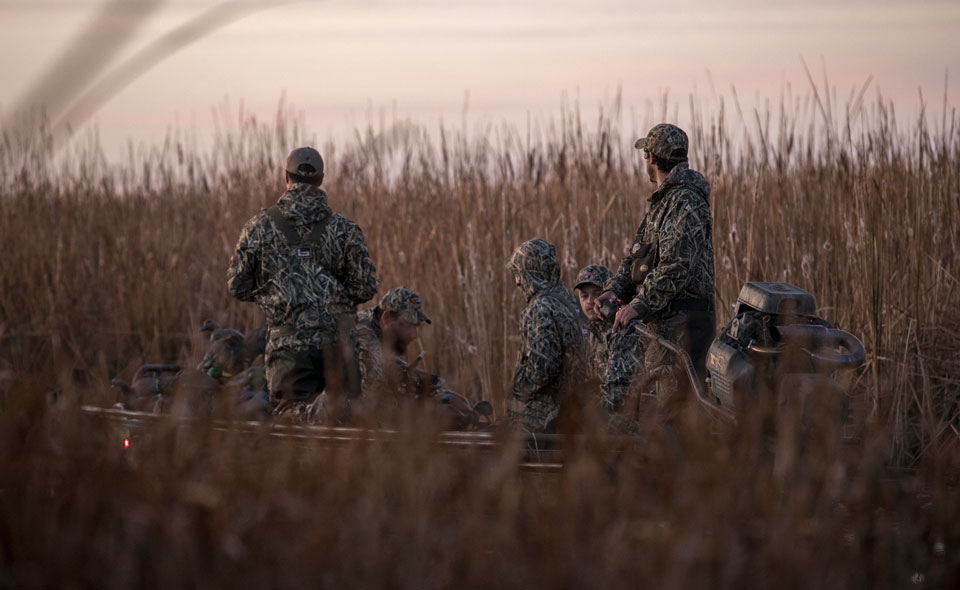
306	290
405	303
369	348
595	274
616	359
614	356
692	331
679	222
665	141
552	358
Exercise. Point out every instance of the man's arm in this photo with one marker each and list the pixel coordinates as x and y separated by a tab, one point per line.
370	356
540	357
683	235
621	284
242	273
359	273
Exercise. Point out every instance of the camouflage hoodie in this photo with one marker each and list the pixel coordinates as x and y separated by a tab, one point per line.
552	358
680	223
304	295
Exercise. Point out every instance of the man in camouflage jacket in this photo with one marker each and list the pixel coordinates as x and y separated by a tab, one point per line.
393	324
552	359
615	356
667	277
307	268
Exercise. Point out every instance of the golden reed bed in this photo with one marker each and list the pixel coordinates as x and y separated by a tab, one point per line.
109	266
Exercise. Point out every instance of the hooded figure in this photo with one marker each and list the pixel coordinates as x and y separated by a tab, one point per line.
552	358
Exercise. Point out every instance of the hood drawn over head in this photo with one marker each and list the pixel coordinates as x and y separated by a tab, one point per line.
535	264
304	203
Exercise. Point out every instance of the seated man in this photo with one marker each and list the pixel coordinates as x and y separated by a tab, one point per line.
393	325
615	356
552	360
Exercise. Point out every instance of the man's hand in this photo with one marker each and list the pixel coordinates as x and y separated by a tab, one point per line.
626	315
599	302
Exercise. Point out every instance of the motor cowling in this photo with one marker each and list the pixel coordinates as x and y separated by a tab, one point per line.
774	339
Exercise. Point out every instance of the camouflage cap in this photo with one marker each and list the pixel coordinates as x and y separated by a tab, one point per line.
665	141
595	274
305	162
405	303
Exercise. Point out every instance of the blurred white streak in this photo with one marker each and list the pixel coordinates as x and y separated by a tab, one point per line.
111	29
121	76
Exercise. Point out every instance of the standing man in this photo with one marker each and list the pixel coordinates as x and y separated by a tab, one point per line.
615	357
552	359
307	268
667	276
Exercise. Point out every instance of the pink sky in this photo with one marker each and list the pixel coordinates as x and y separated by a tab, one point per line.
340	61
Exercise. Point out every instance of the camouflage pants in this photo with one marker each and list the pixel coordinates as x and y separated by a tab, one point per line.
536	415
300	374
692	331
295	375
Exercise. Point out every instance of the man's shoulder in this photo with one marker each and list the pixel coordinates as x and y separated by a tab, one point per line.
685	201
547	309
689	189
254	226
549	302
341	225
367	325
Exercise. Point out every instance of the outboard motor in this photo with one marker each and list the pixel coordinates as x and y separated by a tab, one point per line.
776	343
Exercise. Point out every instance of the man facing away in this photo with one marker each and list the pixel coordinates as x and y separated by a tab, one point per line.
307	268
667	277
615	357
552	359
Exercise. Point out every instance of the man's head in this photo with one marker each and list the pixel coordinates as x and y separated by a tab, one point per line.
664	147
402	314
304	165
589	286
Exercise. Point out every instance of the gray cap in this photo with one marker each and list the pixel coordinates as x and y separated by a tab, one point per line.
305	162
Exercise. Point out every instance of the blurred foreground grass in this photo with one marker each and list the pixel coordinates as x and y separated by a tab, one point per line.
108	266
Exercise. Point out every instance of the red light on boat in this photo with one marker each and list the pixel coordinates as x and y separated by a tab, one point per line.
126	443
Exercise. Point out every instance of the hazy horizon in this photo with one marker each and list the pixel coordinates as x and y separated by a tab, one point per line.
343	64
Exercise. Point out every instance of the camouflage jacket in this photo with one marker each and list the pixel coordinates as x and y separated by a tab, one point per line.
305	291
679	222
369	348
552	358
616	357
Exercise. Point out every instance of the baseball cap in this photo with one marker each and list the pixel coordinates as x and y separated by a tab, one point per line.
595	274
405	303
306	162
665	141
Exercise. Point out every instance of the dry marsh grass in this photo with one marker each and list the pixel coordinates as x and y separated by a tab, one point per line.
106	267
